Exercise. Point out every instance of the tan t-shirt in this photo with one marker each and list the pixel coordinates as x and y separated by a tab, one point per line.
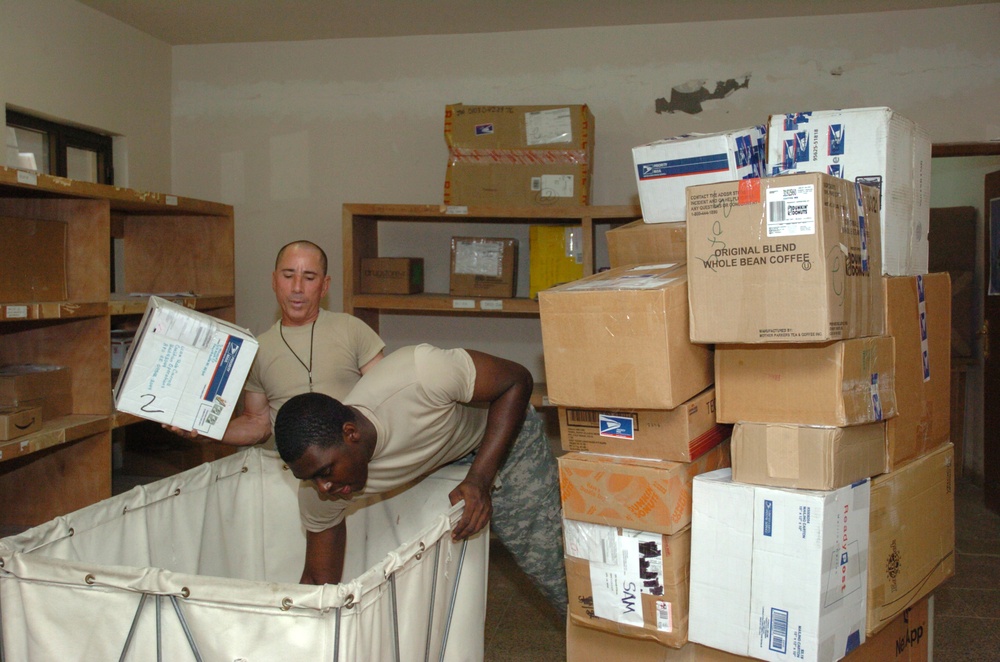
340	345
414	397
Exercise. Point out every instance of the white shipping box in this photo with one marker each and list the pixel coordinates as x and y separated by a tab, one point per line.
873	146
665	168
185	369
778	573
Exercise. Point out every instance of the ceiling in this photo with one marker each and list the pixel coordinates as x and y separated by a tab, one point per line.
179	22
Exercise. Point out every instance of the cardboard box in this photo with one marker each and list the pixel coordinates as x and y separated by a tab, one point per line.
649	495
664	168
627	581
555	256
848	382
681	435
918	317
912	546
778	573
805	456
49	387
906	639
874	146
620	339
519	156
185	369
640	242
33	267
392	275
483	267
16	423
784	259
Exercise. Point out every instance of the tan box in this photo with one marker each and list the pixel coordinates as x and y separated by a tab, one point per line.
784	259
555	256
847	382
483	267
681	435
519	156
906	639
33	267
805	456
392	275
648	495
16	423
644	597
911	545
639	242
620	339
37	385
918	317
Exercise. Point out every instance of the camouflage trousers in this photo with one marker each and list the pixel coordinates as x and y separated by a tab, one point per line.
527	511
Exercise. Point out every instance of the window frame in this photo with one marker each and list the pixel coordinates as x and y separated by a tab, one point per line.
63	136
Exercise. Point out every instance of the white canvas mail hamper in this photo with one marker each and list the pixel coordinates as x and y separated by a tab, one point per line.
204	565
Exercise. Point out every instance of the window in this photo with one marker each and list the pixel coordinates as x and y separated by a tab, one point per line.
58	149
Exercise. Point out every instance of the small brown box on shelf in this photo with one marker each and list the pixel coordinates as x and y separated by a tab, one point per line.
34	260
37	385
392	275
20	421
483	267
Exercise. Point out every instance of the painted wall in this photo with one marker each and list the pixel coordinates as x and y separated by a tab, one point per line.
65	61
288	132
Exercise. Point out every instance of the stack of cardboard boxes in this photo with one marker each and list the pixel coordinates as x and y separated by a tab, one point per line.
832	361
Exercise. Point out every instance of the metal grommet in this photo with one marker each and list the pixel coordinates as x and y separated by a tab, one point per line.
72	531
422	550
286	604
244	470
349	602
90	579
284	467
185	592
177	491
1	562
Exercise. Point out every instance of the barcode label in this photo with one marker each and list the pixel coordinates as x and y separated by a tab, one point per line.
581	417
779	630
776	210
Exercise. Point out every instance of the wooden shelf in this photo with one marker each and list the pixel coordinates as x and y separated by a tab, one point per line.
169	244
361	240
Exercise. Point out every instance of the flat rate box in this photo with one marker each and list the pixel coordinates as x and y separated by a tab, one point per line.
185	369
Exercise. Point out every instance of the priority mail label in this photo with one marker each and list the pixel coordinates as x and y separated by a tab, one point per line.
618	427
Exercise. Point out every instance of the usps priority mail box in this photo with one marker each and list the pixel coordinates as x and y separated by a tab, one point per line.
185	369
665	168
778	573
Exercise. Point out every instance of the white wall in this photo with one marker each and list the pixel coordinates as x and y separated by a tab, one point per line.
65	61
288	132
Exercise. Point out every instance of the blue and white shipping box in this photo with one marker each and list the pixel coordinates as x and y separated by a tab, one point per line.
873	146
185	369
778	573
665	168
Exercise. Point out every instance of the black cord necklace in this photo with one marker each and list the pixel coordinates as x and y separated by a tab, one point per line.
309	368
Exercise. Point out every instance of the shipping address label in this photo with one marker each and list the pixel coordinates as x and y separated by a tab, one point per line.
791	211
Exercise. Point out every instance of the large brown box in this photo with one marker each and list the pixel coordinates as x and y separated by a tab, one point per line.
847	382
647	600
807	456
918	317
35	385
33	264
620	339
648	495
784	259
16	423
392	275
519	156
911	544
639	242
483	267
682	434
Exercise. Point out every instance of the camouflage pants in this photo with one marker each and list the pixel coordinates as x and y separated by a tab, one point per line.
527	511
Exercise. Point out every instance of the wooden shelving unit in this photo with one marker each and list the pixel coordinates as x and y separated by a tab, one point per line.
361	240
170	244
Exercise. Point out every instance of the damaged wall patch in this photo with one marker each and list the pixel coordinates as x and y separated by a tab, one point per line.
688	96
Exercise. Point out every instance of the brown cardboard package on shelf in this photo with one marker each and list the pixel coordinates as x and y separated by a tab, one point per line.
483	267
392	275
639	242
48	387
19	421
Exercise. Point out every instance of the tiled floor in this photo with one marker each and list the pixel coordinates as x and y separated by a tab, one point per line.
522	626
